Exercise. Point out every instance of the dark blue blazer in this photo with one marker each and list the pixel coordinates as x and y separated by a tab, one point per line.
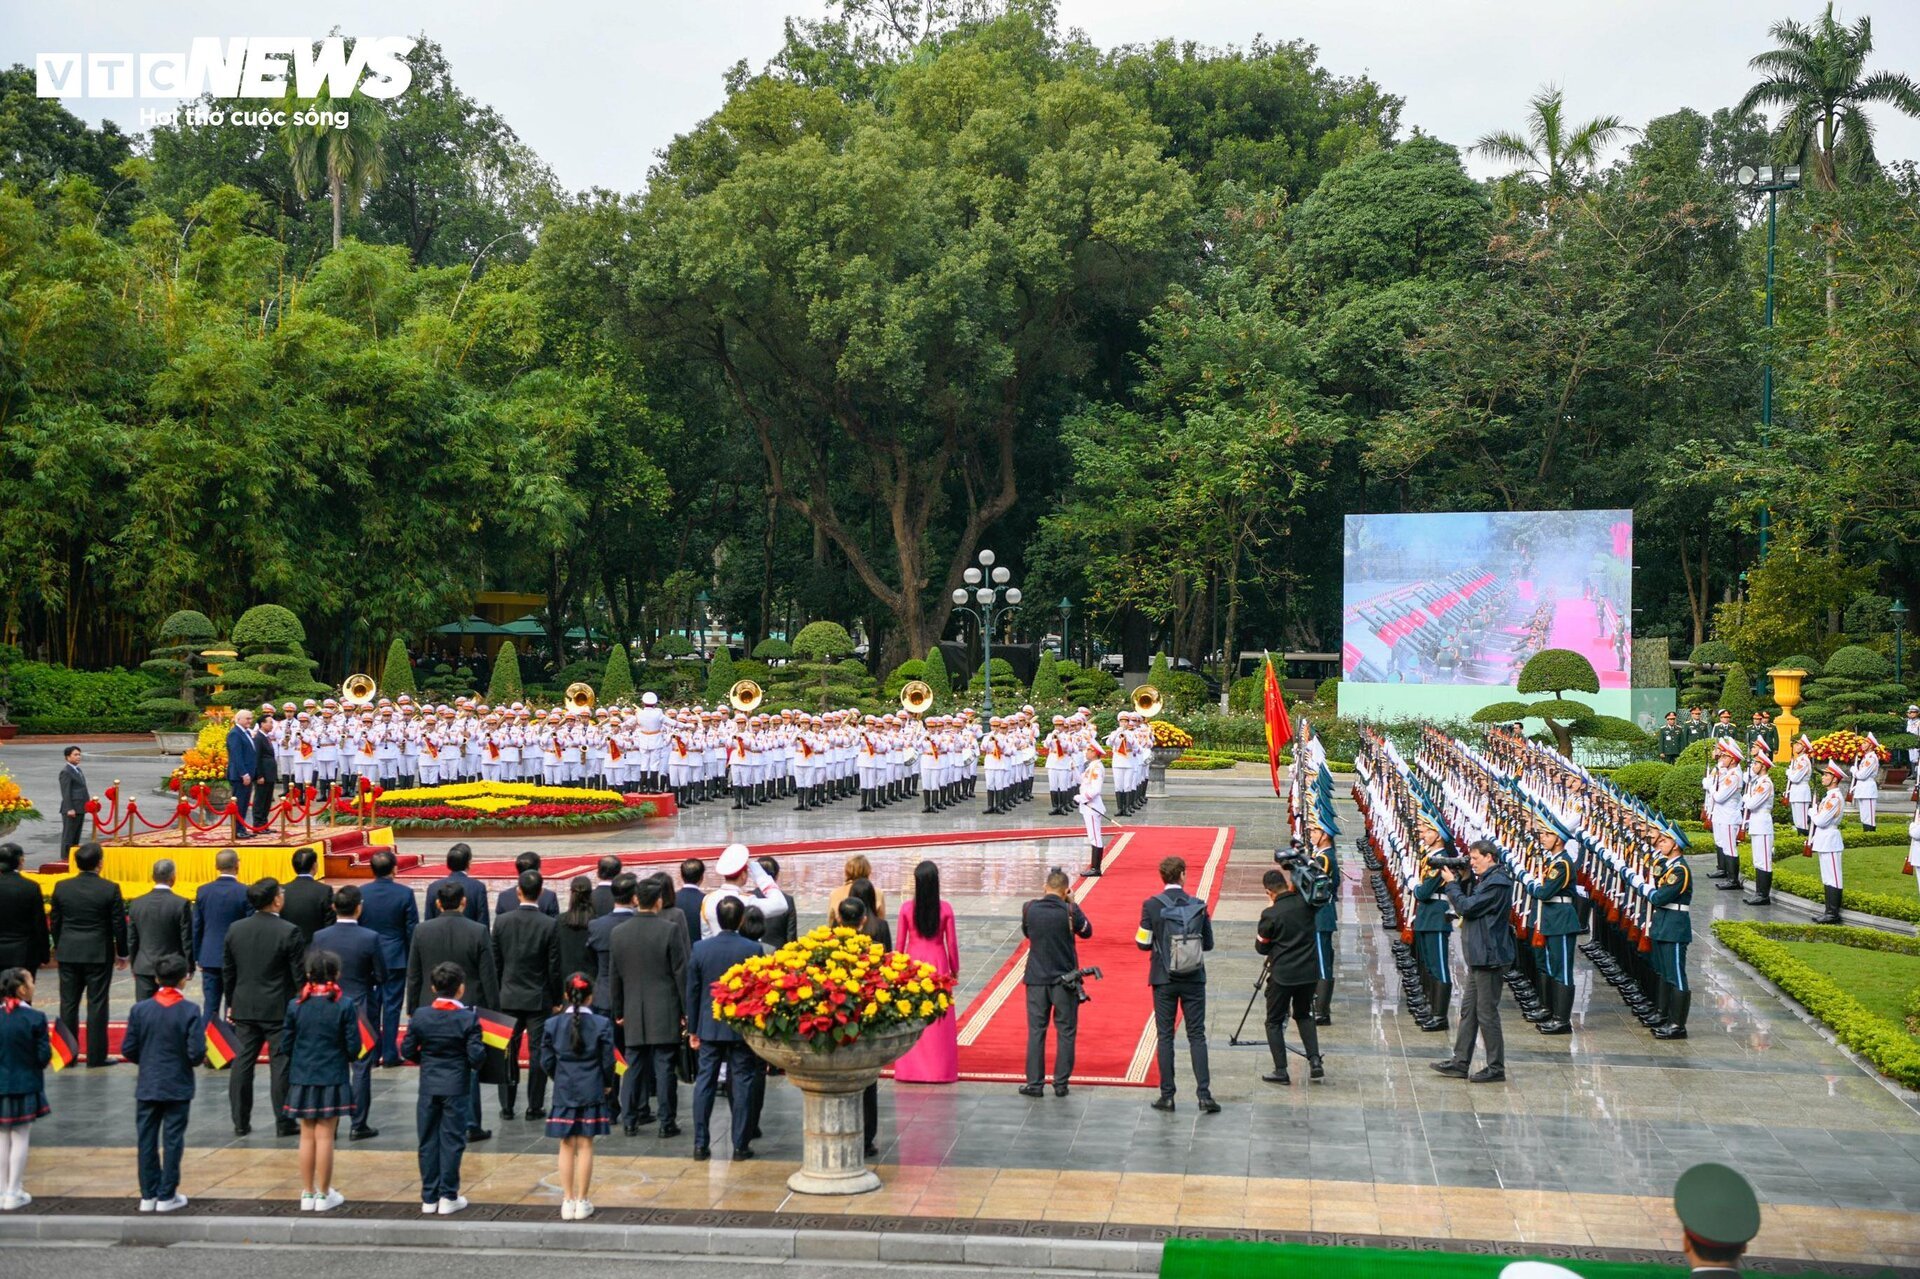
600	946
446	1044
579	1078
167	1043
688	899
320	1040
25	1050
509	899
389	910
362	966
220	903
242	755
710	961
476	905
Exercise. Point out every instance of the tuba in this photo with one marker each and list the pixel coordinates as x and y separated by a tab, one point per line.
579	698
745	696
358	690
1147	701
916	696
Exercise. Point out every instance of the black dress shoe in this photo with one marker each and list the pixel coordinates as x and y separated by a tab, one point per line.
743	1152
1487	1075
701	1154
669	1129
1450	1068
1163	1103
1032	1090
1059	1090
479	1134
286	1128
1208	1106
644	1115
506	1112
871	1151
1276	1077
630	1128
536	1112
241	1130
362	1134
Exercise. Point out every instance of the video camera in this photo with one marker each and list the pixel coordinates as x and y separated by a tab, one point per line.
1458	865
1076	981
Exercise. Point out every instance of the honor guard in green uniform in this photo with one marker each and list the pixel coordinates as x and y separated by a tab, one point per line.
1673	738
1558	924
1698	730
1720	1215
1432	930
1672	901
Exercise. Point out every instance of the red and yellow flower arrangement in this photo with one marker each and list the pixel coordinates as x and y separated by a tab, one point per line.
830	987
1844	745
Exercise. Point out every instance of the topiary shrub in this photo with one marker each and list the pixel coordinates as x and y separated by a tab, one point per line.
396	677
671	646
1679	796
1047	688
272	665
720	676
937	677
1697	754
1092	687
1248	693
177	664
1858	662
913	668
821	644
1159	672
1736	694
616	682
504	688
1327	695
772	649
1186	692
1642	781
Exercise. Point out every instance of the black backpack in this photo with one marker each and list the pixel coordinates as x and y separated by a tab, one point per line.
1183	937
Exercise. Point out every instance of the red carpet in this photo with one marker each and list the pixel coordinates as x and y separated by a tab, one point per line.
1116	1040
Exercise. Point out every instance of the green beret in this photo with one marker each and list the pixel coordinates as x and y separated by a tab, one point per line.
1716	1205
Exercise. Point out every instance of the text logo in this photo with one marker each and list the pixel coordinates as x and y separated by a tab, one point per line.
235	67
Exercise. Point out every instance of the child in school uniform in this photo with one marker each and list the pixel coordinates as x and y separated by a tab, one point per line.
166	1039
321	1041
577	1054
443	1039
25	1050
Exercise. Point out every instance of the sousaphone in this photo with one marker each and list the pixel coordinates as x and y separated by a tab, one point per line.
745	696
579	698
358	690
916	697
1147	701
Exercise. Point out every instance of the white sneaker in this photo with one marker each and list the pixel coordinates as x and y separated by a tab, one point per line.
307	1200
329	1201
10	1202
22	1199
582	1209
566	1210
146	1205
430	1209
450	1206
174	1204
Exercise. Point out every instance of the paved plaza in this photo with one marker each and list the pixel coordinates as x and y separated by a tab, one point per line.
1575	1154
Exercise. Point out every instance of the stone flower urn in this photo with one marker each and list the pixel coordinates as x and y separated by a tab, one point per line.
830	1083
1157	768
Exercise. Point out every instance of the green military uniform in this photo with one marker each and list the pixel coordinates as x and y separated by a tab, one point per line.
1432	927
1726	729
1720	1213
1673	739
1672	900
1698	730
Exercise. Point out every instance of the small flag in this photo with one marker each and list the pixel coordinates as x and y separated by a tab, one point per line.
220	1044
620	1058
368	1040
496	1029
65	1051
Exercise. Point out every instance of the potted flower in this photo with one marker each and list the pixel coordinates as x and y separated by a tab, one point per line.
1170	742
14	807
832	1009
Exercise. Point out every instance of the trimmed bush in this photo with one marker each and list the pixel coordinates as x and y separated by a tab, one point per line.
912	669
1679	794
1246	694
273	665
1736	695
720	676
1884	1043
937	677
672	645
1327	695
1697	754
1857	661
822	642
396	677
616	682
177	667
1186	692
1047	688
773	649
58	699
504	688
1642	781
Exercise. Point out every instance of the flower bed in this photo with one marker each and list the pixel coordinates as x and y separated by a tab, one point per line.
829	987
1844	745
1201	761
503	805
206	759
1889	1046
15	807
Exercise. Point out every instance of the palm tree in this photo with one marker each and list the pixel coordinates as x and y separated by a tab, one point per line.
350	157
1815	77
1551	151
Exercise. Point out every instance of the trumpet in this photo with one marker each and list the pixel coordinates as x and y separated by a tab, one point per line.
916	696
745	696
358	690
579	698
1147	700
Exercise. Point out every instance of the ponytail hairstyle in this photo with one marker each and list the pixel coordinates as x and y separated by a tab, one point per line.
579	992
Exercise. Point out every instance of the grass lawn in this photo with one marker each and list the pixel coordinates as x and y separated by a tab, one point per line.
1879	980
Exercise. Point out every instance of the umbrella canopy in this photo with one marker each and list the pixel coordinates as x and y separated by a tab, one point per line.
468	626
528	625
582	633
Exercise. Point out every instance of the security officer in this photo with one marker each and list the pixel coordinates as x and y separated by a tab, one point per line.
1673	738
1559	923
1672	900
1433	930
1720	1215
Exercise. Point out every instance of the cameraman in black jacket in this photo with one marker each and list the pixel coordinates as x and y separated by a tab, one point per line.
1286	937
1051	923
1487	942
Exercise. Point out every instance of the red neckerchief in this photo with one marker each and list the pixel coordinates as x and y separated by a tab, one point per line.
8	1004
449	1005
330	990
167	996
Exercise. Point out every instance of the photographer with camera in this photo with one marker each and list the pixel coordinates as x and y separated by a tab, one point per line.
1286	937
1055	981
1482	900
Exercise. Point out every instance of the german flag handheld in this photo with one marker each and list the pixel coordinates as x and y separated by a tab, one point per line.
65	1051
220	1043
368	1040
496	1032
619	1063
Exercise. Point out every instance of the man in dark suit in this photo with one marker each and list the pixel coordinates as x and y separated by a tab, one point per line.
689	898
266	771
719	1044
526	947
1052	925
450	937
219	905
387	910
264	965
607	869
89	925
309	902
159	923
473	892
647	974
600	936
23	916
73	800
242	761
363	971
1177	989
510	895
786	926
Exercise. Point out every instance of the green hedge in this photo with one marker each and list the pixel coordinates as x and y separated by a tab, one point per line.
1788	878
1887	1045
59	699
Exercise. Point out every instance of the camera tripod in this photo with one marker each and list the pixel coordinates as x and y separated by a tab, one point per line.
1234	1040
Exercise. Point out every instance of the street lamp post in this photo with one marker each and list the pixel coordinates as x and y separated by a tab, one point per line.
1773	181
992	599
1898	612
1066	627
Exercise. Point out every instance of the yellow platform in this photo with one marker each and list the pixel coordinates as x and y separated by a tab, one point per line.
131	865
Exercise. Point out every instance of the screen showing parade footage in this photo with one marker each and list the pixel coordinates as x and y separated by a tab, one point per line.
1467	598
